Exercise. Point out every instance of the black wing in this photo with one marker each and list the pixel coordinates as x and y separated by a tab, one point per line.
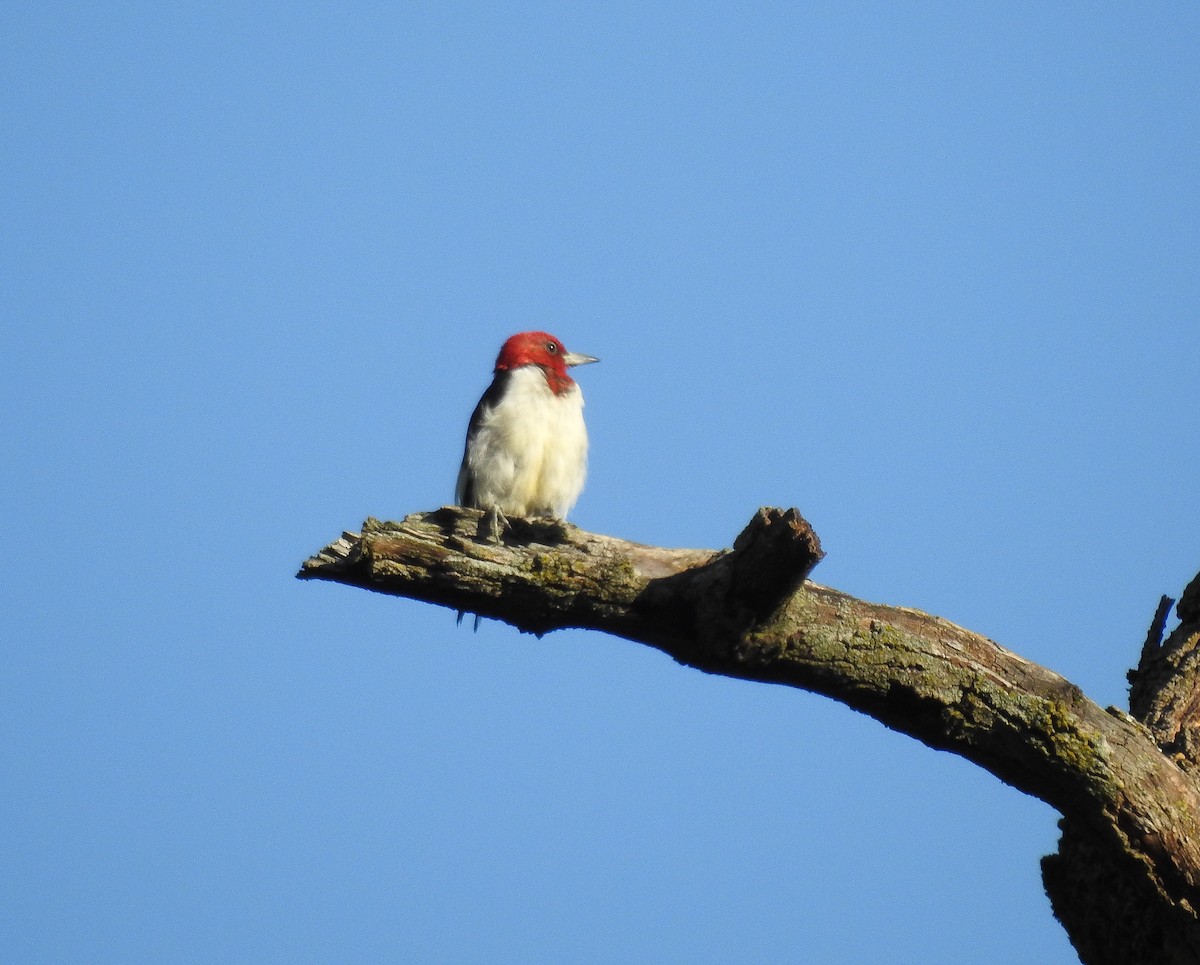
465	490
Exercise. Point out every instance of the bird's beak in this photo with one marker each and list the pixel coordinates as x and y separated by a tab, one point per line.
574	358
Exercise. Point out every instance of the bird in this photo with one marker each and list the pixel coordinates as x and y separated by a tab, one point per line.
526	449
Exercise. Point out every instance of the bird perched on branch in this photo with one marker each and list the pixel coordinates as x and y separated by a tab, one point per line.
526	452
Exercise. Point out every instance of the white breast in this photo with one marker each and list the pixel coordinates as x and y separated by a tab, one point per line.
528	456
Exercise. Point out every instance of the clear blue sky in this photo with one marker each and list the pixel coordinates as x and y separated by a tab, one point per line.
929	272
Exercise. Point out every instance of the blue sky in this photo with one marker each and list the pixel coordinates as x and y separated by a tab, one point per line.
927	272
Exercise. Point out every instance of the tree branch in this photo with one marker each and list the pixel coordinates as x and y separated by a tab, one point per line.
750	613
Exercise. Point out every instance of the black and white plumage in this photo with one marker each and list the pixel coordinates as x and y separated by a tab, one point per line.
526	449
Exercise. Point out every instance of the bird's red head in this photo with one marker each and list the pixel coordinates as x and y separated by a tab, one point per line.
543	350
532	348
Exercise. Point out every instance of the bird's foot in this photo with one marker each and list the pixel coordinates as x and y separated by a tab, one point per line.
492	526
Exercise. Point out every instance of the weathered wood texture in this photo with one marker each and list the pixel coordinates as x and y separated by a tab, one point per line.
1126	880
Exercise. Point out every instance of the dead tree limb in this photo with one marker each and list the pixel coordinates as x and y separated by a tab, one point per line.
1126	879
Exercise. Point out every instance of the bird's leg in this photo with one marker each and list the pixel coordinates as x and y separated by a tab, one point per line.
493	525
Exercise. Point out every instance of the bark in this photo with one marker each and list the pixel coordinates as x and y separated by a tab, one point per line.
1125	881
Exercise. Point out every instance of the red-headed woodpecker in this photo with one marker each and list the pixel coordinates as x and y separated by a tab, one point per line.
526	452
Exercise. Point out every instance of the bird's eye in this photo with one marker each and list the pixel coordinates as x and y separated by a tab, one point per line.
551	347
